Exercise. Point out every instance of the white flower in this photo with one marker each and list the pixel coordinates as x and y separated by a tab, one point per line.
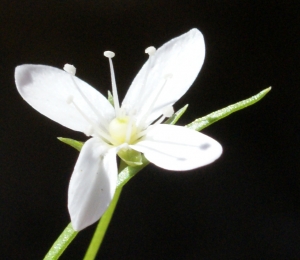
133	126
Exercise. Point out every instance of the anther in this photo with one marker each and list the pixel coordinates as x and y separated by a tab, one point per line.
109	54
168	111
150	50
89	130
70	99
168	76
70	69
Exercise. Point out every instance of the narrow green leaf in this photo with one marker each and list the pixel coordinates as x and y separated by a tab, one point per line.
61	243
205	121
75	144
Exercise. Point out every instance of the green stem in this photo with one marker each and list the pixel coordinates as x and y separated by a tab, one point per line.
102	227
69	233
61	243
125	174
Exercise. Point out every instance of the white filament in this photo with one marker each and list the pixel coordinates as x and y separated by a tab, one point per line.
154	99
102	119
93	126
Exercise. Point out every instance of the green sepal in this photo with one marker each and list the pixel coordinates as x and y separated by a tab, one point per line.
131	157
75	144
110	98
128	172
175	117
213	117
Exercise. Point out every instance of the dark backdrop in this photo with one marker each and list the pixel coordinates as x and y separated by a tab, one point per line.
244	206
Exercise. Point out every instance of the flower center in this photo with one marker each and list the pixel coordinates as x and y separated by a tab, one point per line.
122	130
125	128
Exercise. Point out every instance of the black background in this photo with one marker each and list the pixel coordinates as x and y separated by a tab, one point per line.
244	206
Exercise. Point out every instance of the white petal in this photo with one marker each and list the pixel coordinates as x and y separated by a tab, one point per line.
48	90
178	148
93	183
182	58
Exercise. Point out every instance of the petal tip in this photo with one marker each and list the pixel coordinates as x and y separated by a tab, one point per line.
22	76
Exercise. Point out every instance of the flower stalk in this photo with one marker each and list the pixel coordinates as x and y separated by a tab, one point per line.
102	227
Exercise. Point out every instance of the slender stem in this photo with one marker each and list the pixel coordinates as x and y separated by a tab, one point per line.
61	243
69	233
102	227
104	221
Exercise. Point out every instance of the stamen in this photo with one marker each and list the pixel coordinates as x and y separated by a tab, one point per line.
70	69
93	126
166	77
110	55
168	112
89	131
70	99
150	50
140	134
100	116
